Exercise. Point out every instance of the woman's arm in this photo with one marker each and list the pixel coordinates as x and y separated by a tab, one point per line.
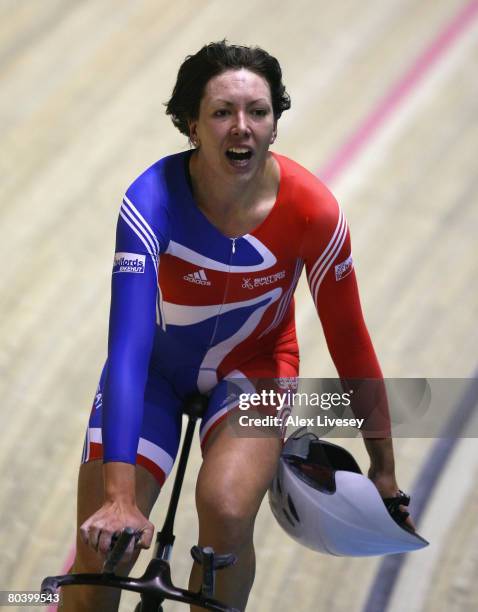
130	340
333	284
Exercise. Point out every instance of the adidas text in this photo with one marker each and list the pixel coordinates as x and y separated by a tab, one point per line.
198	277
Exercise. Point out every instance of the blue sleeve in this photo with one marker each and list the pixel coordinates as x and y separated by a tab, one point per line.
134	289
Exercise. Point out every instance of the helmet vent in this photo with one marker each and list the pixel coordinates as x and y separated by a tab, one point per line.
279	488
292	508
286	514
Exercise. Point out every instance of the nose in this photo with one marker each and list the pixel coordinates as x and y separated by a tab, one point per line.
240	126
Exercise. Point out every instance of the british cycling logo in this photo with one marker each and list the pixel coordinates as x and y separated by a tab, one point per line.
252	283
129	262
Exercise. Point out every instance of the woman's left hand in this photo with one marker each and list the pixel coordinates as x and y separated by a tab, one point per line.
387	486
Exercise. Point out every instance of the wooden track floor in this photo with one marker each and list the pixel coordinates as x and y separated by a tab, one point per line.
81	91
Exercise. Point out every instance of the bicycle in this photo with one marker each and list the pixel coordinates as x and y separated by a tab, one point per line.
155	585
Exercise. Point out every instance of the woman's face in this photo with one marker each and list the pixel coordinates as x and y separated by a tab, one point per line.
236	123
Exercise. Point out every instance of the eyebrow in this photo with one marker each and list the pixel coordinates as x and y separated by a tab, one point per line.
228	103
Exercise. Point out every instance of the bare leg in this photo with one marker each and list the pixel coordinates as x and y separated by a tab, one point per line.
232	482
90	498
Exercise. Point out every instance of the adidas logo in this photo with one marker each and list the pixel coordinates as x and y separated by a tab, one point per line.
198	277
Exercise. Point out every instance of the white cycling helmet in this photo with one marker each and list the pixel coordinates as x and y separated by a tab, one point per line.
320	498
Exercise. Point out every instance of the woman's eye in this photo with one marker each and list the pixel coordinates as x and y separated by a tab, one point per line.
221	112
259	112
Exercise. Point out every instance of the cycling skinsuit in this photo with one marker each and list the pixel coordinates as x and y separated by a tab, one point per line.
191	307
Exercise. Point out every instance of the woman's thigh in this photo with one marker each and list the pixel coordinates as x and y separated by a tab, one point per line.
264	374
161	427
239	462
236	473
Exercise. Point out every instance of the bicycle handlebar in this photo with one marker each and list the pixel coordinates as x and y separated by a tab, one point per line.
120	544
210	562
155	585
156	581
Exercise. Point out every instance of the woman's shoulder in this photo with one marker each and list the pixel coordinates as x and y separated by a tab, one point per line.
304	190
154	184
149	200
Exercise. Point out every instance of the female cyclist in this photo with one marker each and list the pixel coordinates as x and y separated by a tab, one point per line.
210	245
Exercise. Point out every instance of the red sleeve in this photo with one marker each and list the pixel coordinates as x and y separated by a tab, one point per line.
332	281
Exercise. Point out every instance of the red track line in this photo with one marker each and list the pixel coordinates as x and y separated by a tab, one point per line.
398	94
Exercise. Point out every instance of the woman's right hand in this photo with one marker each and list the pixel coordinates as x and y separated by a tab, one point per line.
118	511
97	531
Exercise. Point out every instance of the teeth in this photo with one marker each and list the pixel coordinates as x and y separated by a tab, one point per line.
238	150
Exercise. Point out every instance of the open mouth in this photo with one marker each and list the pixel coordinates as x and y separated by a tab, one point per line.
239	154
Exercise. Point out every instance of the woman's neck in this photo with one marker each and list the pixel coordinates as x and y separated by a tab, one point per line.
220	195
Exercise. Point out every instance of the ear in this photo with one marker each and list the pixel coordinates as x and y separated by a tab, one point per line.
193	136
274	133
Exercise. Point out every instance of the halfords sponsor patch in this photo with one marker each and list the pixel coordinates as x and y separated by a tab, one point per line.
344	269
129	262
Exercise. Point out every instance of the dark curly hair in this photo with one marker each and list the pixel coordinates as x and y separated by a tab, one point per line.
213	59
